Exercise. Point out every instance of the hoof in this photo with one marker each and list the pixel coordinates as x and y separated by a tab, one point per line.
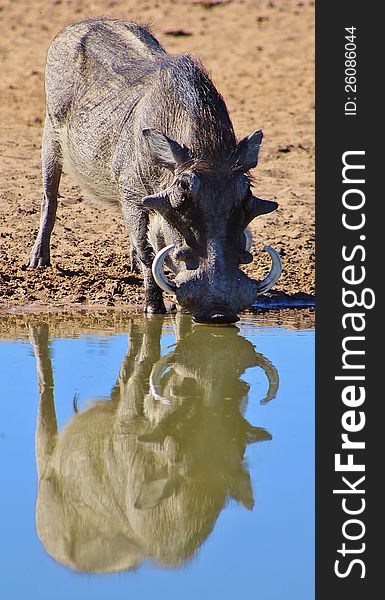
39	259
38	263
158	309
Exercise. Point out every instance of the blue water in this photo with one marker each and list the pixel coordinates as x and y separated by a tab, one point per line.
266	552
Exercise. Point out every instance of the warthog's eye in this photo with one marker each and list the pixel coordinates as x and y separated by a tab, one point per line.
184	185
188	183
181	194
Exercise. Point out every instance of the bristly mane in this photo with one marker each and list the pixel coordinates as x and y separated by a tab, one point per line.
194	94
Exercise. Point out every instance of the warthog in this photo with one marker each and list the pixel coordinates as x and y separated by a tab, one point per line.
146	473
149	130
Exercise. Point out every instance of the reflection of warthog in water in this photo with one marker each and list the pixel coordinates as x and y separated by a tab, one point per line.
146	473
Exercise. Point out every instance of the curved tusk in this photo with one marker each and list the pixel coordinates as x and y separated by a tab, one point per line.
157	372
275	272
272	377
158	272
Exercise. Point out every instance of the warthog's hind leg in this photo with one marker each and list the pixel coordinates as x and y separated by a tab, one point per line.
52	168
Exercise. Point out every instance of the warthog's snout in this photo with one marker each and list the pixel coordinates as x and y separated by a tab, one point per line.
211	294
216	316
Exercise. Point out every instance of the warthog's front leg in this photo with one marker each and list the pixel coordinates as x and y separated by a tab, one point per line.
46	429
52	168
137	224
143	352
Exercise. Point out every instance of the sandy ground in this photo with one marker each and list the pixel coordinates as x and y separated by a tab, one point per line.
260	54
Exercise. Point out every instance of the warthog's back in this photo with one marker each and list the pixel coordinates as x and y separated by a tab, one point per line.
88	100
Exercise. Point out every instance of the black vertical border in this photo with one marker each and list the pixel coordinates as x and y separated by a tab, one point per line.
335	134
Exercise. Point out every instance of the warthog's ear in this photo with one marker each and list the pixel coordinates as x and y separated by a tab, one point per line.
164	150
247	151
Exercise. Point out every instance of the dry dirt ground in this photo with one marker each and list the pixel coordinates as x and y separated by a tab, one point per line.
260	54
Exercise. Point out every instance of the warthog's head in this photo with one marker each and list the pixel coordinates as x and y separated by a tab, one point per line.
205	211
